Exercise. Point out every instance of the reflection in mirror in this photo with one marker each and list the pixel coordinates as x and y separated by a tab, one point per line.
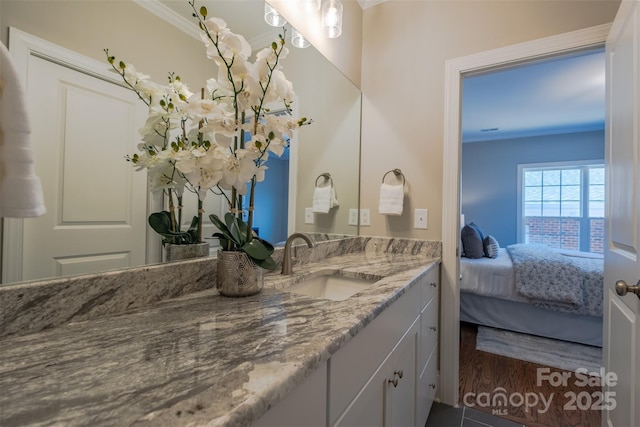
330	145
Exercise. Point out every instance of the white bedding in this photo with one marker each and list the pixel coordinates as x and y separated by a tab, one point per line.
490	277
495	277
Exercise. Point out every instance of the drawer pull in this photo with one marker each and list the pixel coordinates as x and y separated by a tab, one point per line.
396	374
435	285
432	385
433	328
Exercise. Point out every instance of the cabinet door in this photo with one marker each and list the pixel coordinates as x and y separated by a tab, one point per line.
380	402
305	406
400	396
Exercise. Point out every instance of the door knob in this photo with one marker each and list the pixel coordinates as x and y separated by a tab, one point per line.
622	288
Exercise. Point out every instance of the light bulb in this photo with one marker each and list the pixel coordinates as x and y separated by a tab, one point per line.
272	17
311	5
298	40
332	18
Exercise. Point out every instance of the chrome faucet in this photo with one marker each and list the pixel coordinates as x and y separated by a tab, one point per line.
287	262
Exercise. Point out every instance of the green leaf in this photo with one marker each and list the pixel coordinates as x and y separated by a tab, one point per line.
218	223
229	219
193	231
256	249
224	234
160	222
203	11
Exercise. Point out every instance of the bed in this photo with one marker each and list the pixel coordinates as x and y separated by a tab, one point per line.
536	290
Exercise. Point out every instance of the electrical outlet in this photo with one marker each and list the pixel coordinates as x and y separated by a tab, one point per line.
421	218
365	217
308	216
353	216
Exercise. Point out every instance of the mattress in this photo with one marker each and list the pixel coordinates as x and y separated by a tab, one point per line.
490	277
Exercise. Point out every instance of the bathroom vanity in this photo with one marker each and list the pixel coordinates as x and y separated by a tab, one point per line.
276	358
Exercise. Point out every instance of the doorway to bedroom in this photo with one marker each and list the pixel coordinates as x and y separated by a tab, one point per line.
532	171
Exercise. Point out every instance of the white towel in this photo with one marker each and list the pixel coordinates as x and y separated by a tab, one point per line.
20	188
324	198
391	199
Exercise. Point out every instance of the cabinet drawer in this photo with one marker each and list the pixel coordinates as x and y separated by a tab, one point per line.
429	284
352	366
428	331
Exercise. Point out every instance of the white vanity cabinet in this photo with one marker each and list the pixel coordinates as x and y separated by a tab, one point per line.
427	366
385	376
365	387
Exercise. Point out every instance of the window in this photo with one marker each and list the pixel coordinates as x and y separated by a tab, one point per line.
562	205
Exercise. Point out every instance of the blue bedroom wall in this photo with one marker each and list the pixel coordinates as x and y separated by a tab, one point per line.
272	201
489	175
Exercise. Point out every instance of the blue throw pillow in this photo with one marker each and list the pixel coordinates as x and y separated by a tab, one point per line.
479	230
491	247
471	242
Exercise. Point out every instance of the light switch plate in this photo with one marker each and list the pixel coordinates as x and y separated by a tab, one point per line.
421	218
365	217
353	216
308	216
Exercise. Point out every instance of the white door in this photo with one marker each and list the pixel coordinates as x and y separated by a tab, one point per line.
82	129
622	253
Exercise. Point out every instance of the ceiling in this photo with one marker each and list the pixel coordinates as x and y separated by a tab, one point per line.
558	95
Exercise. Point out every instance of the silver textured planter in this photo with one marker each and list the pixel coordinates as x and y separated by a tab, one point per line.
179	252
237	275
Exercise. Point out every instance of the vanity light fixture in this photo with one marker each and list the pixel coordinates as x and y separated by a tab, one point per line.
332	18
298	40
311	6
272	17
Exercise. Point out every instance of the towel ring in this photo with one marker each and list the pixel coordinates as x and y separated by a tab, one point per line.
396	172
326	176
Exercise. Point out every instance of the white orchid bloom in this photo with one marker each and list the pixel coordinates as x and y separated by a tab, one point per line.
280	88
132	76
260	173
215	89
214	25
277	146
234	45
281	125
165	176
180	89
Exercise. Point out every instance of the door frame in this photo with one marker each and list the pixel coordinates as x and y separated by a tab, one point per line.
454	70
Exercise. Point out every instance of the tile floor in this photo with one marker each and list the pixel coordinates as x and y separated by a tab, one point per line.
447	416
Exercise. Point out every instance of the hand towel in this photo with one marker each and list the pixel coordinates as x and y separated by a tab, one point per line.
20	188
391	199
324	198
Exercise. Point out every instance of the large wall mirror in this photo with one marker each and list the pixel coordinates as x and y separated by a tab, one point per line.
330	145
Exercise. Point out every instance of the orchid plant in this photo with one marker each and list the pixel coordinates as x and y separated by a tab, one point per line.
196	141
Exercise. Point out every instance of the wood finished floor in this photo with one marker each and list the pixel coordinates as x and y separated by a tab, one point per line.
482	372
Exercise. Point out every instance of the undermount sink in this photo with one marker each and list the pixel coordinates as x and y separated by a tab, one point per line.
332	285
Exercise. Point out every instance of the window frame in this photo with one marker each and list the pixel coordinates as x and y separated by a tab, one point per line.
584	190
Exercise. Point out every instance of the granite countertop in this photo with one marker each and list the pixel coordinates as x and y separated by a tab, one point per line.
200	359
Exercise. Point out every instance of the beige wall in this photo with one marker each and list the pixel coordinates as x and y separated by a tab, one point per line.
331	143
126	29
405	46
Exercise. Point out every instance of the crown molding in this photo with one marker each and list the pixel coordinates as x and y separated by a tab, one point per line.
365	4
191	29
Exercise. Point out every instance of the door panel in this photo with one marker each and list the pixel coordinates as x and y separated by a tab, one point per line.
82	129
621	334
